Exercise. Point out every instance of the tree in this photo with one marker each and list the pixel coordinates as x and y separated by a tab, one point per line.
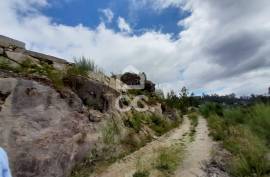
184	100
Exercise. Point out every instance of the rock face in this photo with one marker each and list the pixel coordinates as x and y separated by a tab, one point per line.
93	94
1	51
149	86
8	42
133	79
42	133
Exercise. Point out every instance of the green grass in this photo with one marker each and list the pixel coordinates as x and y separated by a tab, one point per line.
211	108
161	124
245	133
136	121
157	123
259	121
169	159
82	66
28	67
141	174
249	152
110	133
5	64
193	117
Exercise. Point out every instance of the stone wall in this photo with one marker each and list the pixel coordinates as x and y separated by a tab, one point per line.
15	51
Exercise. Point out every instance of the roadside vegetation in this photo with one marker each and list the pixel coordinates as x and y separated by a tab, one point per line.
193	117
157	123
243	131
169	158
122	138
82	66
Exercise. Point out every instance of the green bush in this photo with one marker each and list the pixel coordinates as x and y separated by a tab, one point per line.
141	174
5	64
249	152
193	117
135	121
211	108
234	116
169	159
245	133
160	125
259	121
82	66
110	132
217	127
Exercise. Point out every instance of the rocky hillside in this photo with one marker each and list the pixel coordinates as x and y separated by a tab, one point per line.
53	115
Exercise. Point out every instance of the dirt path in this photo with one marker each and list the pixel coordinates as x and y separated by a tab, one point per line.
127	166
196	152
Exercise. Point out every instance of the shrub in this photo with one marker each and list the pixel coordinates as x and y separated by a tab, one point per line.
259	123
249	152
217	127
210	108
110	132
82	66
169	158
135	121
245	133
141	174
5	64
234	116
194	119
194	123
160	125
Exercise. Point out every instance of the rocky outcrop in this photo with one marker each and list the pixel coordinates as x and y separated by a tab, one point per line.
43	134
93	94
15	51
149	86
47	129
131	79
11	43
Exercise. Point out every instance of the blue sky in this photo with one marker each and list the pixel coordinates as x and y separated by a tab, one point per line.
222	45
89	13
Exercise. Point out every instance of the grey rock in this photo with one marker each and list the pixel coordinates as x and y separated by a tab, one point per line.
19	57
59	66
42	134
95	116
46	58
93	94
9	42
1	51
10	62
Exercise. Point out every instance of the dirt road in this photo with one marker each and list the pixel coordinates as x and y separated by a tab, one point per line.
195	153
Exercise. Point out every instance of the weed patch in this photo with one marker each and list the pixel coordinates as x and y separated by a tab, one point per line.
169	159
141	174
244	132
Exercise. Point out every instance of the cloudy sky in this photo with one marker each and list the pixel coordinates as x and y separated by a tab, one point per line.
210	46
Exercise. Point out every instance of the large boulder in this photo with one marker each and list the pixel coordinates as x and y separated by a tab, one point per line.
43	135
149	86
130	78
94	94
9	42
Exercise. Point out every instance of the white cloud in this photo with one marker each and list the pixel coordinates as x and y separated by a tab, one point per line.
108	14
123	25
228	52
